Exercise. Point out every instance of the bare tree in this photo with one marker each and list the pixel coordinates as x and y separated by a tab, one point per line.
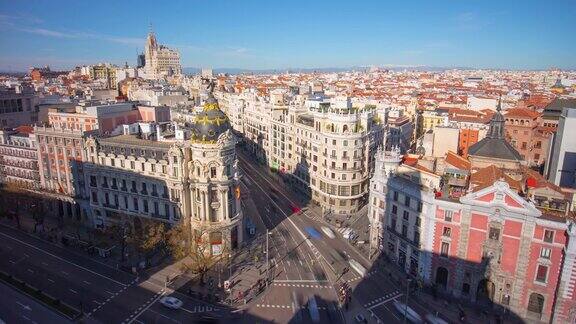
196	247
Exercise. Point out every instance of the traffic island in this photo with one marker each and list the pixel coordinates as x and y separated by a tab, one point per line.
46	299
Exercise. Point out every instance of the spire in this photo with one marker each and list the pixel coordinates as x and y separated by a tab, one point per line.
497	123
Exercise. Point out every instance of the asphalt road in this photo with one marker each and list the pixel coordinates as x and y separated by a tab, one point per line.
301	269
375	292
16	307
106	295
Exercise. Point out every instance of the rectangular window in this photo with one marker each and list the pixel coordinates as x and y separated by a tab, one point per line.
406	215
135	201
395	197
419	206
548	236
446	232
404	230
394	209
541	273
407	201
448	215
444	249
545	253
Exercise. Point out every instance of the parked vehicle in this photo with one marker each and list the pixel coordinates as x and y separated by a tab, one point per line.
328	232
347	233
360	319
171	302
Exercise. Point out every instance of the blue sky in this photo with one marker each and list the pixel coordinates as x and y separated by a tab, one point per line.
291	34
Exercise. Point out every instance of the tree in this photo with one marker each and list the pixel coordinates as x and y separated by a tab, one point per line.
195	247
154	238
13	195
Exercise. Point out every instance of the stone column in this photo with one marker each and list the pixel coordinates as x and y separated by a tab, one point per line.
224	206
207	206
203	207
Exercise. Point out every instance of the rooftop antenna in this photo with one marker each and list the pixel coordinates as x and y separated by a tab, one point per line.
150	29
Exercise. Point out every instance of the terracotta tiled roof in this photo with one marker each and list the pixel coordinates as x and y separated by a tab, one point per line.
522	112
486	177
457	161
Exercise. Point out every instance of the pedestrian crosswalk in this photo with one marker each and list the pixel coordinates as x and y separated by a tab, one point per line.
370	273
283	284
382	299
285	306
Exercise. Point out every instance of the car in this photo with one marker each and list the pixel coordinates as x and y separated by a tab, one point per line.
171	302
328	232
360	319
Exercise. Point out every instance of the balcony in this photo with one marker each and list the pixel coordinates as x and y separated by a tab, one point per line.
144	192
105	185
133	190
110	206
123	188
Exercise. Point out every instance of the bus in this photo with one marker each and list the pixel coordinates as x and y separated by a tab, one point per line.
357	267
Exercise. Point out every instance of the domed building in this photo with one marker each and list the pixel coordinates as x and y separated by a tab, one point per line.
215	212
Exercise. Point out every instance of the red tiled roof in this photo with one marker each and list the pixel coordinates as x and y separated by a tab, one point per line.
486	177
522	112
457	161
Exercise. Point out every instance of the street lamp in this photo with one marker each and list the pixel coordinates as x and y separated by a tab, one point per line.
267	258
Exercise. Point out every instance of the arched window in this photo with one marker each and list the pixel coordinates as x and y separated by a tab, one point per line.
535	305
345	128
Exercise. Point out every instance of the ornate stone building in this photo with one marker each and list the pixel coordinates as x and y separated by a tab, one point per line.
148	175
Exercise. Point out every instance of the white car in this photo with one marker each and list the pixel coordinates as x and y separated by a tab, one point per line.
171	302
328	232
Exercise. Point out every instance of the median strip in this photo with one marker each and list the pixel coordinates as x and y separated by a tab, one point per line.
46	299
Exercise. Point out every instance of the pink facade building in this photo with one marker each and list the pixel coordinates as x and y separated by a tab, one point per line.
493	246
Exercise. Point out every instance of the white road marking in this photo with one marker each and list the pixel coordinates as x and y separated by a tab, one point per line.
86	282
62	259
45	264
52	281
384	302
30	270
26	307
65	273
73	291
161	293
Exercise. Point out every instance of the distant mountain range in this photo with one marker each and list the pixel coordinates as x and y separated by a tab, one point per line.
194	70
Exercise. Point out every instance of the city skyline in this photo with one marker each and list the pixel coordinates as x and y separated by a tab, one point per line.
295	35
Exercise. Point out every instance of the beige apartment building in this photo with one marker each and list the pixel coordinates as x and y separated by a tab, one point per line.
324	147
